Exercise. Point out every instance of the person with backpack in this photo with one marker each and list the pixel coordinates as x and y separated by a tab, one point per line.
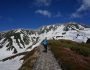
45	44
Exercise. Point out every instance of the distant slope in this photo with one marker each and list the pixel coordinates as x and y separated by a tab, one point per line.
72	31
16	41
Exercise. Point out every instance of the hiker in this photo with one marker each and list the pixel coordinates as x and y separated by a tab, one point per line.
45	43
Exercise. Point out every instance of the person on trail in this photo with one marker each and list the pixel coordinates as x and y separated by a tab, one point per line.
45	44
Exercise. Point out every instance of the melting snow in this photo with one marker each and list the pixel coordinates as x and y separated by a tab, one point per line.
13	64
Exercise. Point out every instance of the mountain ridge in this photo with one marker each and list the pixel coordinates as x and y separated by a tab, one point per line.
18	40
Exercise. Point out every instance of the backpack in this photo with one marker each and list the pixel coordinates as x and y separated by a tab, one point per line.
45	42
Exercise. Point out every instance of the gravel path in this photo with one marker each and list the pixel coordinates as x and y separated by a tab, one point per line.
46	61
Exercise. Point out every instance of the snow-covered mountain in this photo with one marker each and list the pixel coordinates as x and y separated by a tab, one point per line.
21	40
17	41
71	31
1	35
65	27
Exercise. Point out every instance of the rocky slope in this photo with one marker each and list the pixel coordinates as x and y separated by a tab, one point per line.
16	41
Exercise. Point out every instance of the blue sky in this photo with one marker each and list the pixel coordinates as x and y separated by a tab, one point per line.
32	14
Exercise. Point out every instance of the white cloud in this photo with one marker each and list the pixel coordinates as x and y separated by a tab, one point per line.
44	13
42	2
84	6
75	15
48	13
86	2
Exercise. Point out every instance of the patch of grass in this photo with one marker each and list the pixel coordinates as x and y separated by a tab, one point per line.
71	55
82	49
29	60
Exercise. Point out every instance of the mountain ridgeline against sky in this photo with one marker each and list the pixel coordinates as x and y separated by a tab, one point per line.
28	13
19	40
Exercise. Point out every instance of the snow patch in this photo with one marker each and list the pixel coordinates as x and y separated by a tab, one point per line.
13	64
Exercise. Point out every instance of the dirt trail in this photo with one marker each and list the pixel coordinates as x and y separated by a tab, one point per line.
46	61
